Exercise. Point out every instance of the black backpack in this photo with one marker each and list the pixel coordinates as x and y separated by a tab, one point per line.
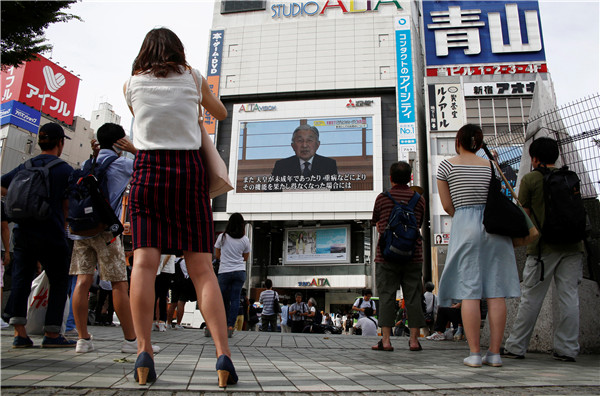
398	241
89	210
564	217
28	195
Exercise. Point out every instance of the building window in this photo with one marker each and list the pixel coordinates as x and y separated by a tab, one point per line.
234	50
384	40
384	72
231	81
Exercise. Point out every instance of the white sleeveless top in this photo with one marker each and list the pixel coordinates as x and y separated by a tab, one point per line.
166	111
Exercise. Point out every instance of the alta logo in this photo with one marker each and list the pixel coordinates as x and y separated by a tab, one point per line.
53	81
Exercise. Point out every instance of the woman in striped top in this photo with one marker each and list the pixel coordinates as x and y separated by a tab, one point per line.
478	265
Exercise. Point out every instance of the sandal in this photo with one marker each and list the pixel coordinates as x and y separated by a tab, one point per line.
380	347
419	348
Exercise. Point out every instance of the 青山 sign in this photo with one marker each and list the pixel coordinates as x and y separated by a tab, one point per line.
43	85
20	115
483	32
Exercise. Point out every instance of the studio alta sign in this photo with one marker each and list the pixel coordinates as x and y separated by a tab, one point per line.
315	282
311	8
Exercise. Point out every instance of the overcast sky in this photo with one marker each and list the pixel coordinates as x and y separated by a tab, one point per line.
102	48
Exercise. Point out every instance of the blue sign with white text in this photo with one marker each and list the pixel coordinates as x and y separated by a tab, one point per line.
404	72
215	52
479	32
20	115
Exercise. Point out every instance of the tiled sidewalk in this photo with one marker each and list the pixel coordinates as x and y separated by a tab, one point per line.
287	363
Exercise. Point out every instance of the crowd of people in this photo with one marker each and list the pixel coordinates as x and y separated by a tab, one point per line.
173	242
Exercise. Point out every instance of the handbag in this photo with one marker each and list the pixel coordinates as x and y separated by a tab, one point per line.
218	176
276	306
532	232
37	306
501	216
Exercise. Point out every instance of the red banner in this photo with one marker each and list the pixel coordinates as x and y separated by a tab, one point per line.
43	85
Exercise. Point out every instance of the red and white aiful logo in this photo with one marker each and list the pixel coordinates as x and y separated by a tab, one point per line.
53	81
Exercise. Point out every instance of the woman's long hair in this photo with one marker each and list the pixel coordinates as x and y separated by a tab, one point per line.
162	52
235	226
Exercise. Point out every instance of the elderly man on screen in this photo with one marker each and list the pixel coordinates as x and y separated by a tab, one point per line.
306	162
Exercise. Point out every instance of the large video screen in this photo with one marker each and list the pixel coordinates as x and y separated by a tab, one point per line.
305	154
317	245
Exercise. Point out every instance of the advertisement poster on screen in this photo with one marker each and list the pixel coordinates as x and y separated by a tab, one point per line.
44	86
317	245
305	146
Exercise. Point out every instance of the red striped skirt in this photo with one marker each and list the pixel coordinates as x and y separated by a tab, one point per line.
169	202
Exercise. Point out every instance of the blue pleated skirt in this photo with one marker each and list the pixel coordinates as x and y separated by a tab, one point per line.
478	265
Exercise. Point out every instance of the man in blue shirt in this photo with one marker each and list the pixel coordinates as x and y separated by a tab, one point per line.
99	250
42	241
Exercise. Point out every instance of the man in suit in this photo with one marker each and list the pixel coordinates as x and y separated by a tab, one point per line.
305	142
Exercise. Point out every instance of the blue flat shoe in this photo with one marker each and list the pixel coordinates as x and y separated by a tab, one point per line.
144	369
226	372
22	342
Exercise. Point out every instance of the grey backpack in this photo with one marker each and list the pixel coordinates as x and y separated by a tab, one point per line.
28	195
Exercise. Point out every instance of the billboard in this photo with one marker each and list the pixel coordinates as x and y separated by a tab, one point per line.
505	34
44	86
20	115
326	153
213	75
317	245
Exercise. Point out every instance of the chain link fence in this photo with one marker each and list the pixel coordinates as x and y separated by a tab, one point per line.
576	128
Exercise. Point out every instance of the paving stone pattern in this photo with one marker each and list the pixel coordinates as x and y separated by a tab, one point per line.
284	364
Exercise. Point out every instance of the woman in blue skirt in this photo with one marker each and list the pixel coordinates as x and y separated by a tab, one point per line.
169	200
478	265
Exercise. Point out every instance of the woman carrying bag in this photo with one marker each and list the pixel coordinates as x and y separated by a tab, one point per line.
479	265
232	248
169	197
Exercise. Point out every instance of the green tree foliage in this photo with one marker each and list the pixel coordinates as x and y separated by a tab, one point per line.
23	25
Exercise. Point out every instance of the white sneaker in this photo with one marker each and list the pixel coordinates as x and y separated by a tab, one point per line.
449	333
162	327
131	347
155	326
492	359
3	324
459	335
84	346
436	337
178	327
474	360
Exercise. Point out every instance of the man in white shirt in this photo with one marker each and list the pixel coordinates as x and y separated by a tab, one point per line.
368	324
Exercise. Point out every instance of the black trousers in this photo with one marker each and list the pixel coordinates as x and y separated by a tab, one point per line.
297	326
445	315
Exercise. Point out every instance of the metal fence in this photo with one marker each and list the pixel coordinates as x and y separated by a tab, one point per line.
576	128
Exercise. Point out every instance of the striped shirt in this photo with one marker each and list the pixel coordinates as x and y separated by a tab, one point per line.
383	207
469	184
267	298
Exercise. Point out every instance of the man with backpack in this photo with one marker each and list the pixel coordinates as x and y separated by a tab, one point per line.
405	272
39	235
552	199
104	250
270	301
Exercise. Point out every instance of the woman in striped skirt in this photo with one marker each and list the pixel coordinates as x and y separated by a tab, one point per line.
169	200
